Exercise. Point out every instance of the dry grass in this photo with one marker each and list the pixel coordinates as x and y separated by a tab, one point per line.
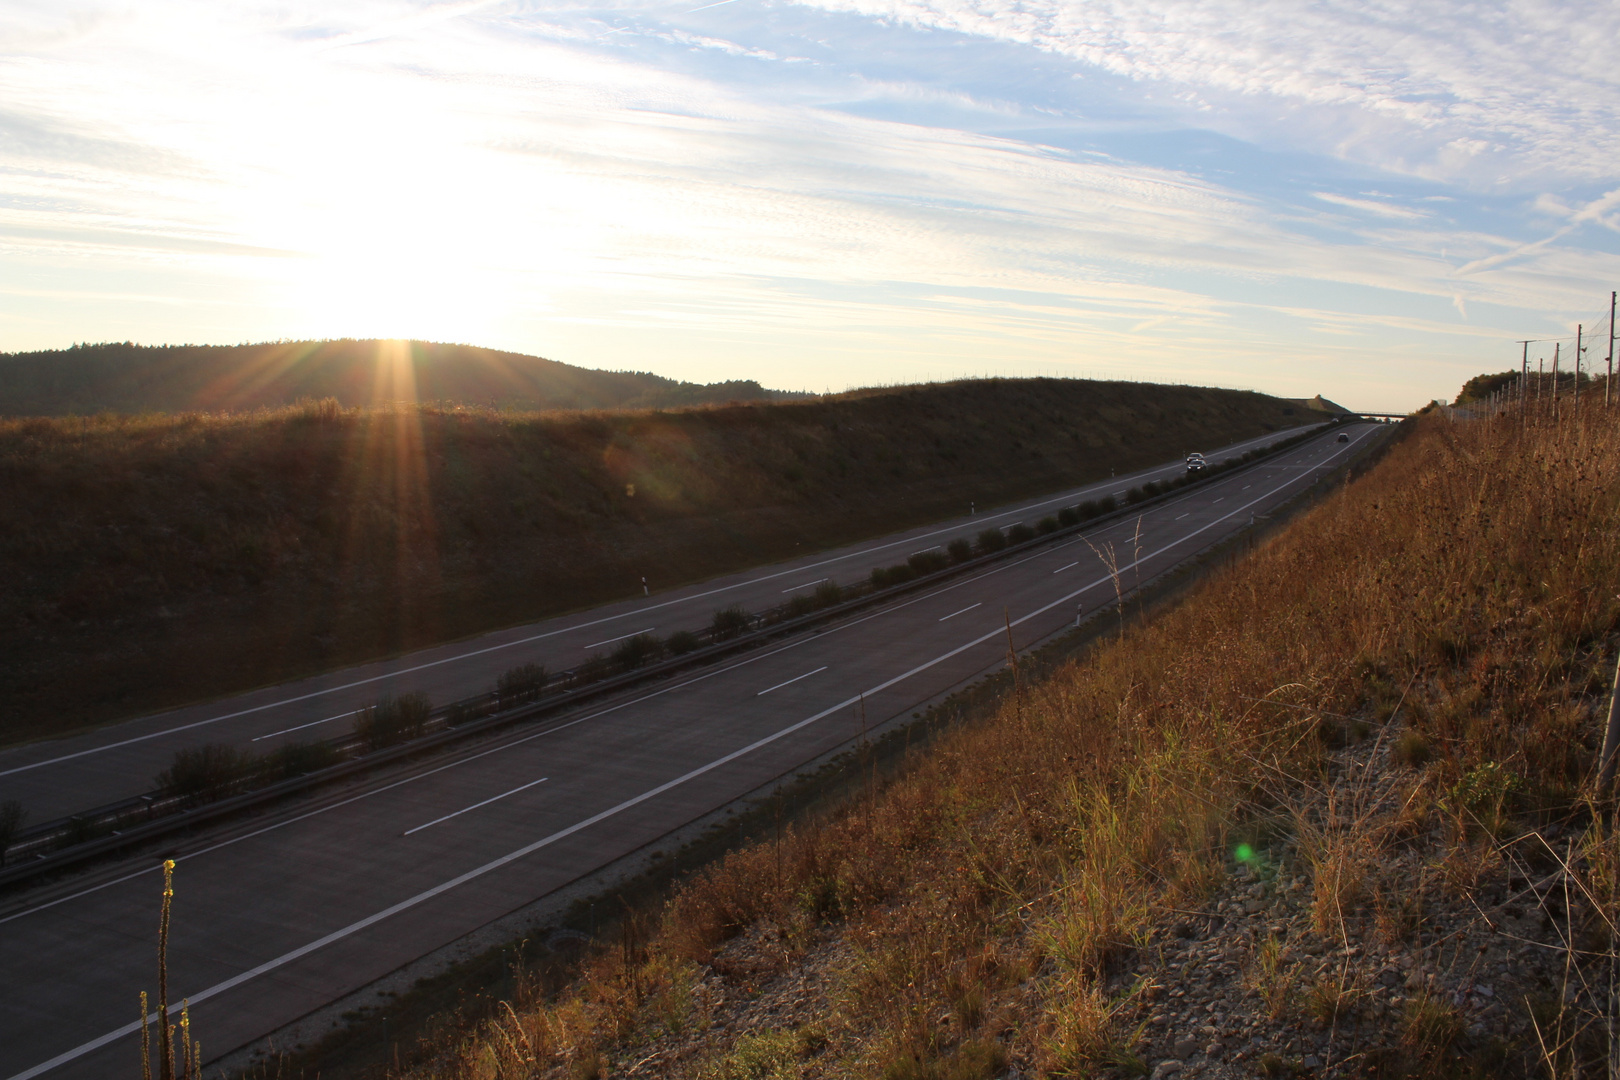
157	559
1001	889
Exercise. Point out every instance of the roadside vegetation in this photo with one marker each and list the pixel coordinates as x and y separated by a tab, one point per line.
1331	815
158	559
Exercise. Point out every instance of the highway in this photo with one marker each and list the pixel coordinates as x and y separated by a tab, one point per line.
280	915
58	777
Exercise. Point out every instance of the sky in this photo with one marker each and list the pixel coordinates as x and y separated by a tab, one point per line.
1367	200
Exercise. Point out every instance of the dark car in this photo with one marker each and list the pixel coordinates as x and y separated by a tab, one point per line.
1196	463
1344	436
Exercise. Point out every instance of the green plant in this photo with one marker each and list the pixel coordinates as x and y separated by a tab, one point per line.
634	652
764	1055
682	642
296	759
960	550
1068	516
1135	495
1020	534
526	682
12	818
393	720
927	562
206	771
728	622
884	577
989	541
1047	524
1481	795
1106	505
828	593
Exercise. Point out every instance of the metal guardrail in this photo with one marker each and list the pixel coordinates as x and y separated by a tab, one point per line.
156	814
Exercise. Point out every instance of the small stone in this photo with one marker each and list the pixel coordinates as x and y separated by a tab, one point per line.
1185	1048
1312	1062
1253	907
1484	991
1168	1067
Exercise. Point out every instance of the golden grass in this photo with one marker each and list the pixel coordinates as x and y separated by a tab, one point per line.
1468	580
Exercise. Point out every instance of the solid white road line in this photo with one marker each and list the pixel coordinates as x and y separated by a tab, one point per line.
301	727
807	584
954	614
791	681
1060	569
621	637
495	864
561	630
475	806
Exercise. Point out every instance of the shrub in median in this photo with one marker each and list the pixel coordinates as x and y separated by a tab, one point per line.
728	623
927	562
829	593
393	720
990	540
682	642
1134	496
632	653
204	772
522	683
960	550
1020	534
799	606
1069	515
884	577
296	759
12	819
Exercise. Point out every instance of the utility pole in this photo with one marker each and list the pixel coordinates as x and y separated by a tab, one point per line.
1557	347
1609	380
1524	373
1578	350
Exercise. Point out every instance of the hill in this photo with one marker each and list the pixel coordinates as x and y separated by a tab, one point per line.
128	378
157	559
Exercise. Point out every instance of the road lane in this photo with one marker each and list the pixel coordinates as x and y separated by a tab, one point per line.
59	777
296	913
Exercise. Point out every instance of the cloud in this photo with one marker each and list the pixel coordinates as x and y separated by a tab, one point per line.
1370	206
1428	88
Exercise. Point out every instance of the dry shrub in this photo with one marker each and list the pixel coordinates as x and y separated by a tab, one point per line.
1273	977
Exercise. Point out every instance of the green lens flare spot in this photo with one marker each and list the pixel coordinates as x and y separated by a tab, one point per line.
1244	853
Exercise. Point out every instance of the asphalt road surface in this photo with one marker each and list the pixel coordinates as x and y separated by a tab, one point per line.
277	916
55	778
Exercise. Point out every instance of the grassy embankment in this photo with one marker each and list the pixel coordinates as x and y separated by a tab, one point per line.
1459	603
157	559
